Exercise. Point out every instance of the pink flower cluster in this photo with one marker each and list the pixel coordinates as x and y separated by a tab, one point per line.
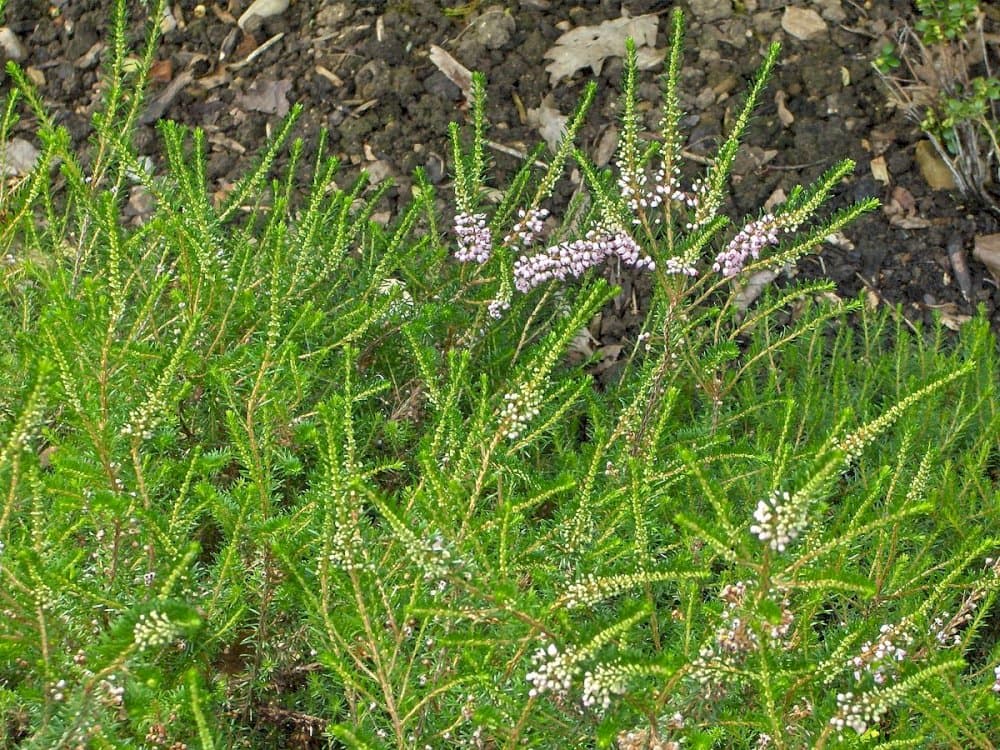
747	244
475	242
575	258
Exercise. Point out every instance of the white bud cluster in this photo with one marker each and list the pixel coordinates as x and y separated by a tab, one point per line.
780	519
879	658
632	186
498	307
114	694
603	683
475	241
679	266
647	739
590	589
402	304
554	671
153	630
858	712
519	408
996	679
700	201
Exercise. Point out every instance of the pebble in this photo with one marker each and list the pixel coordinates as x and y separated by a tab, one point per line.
803	23
13	48
491	29
708	11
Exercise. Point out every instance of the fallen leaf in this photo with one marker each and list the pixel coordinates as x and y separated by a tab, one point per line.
776	198
839	240
161	71
901	210
606	146
880	171
753	288
161	103
935	172
268	97
453	70
786	117
953	321
956	255
803	23
904	198
262	9
987	251
581	347
549	122
901	221
590	46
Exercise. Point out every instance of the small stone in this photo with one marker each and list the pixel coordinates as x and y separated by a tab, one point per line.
492	29
13	48
331	16
803	23
708	11
378	171
17	157
832	10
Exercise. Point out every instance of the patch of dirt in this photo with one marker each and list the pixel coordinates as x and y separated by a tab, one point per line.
364	71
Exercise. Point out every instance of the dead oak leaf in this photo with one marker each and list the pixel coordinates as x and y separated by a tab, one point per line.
590	46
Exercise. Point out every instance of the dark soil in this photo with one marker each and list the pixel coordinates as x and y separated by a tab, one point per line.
363	71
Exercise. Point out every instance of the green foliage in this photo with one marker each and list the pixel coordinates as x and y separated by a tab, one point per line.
942	20
273	475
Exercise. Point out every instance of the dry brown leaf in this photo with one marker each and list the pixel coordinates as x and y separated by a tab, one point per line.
904	198
987	251
901	210
262	9
582	345
606	146
549	122
935	172
880	171
161	71
753	288
453	70
590	46
786	117
776	198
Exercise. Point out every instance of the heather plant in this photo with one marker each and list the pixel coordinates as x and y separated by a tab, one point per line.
276	475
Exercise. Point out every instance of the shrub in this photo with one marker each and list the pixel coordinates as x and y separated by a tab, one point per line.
275	475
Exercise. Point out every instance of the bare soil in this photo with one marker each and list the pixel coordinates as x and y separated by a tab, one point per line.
363	71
